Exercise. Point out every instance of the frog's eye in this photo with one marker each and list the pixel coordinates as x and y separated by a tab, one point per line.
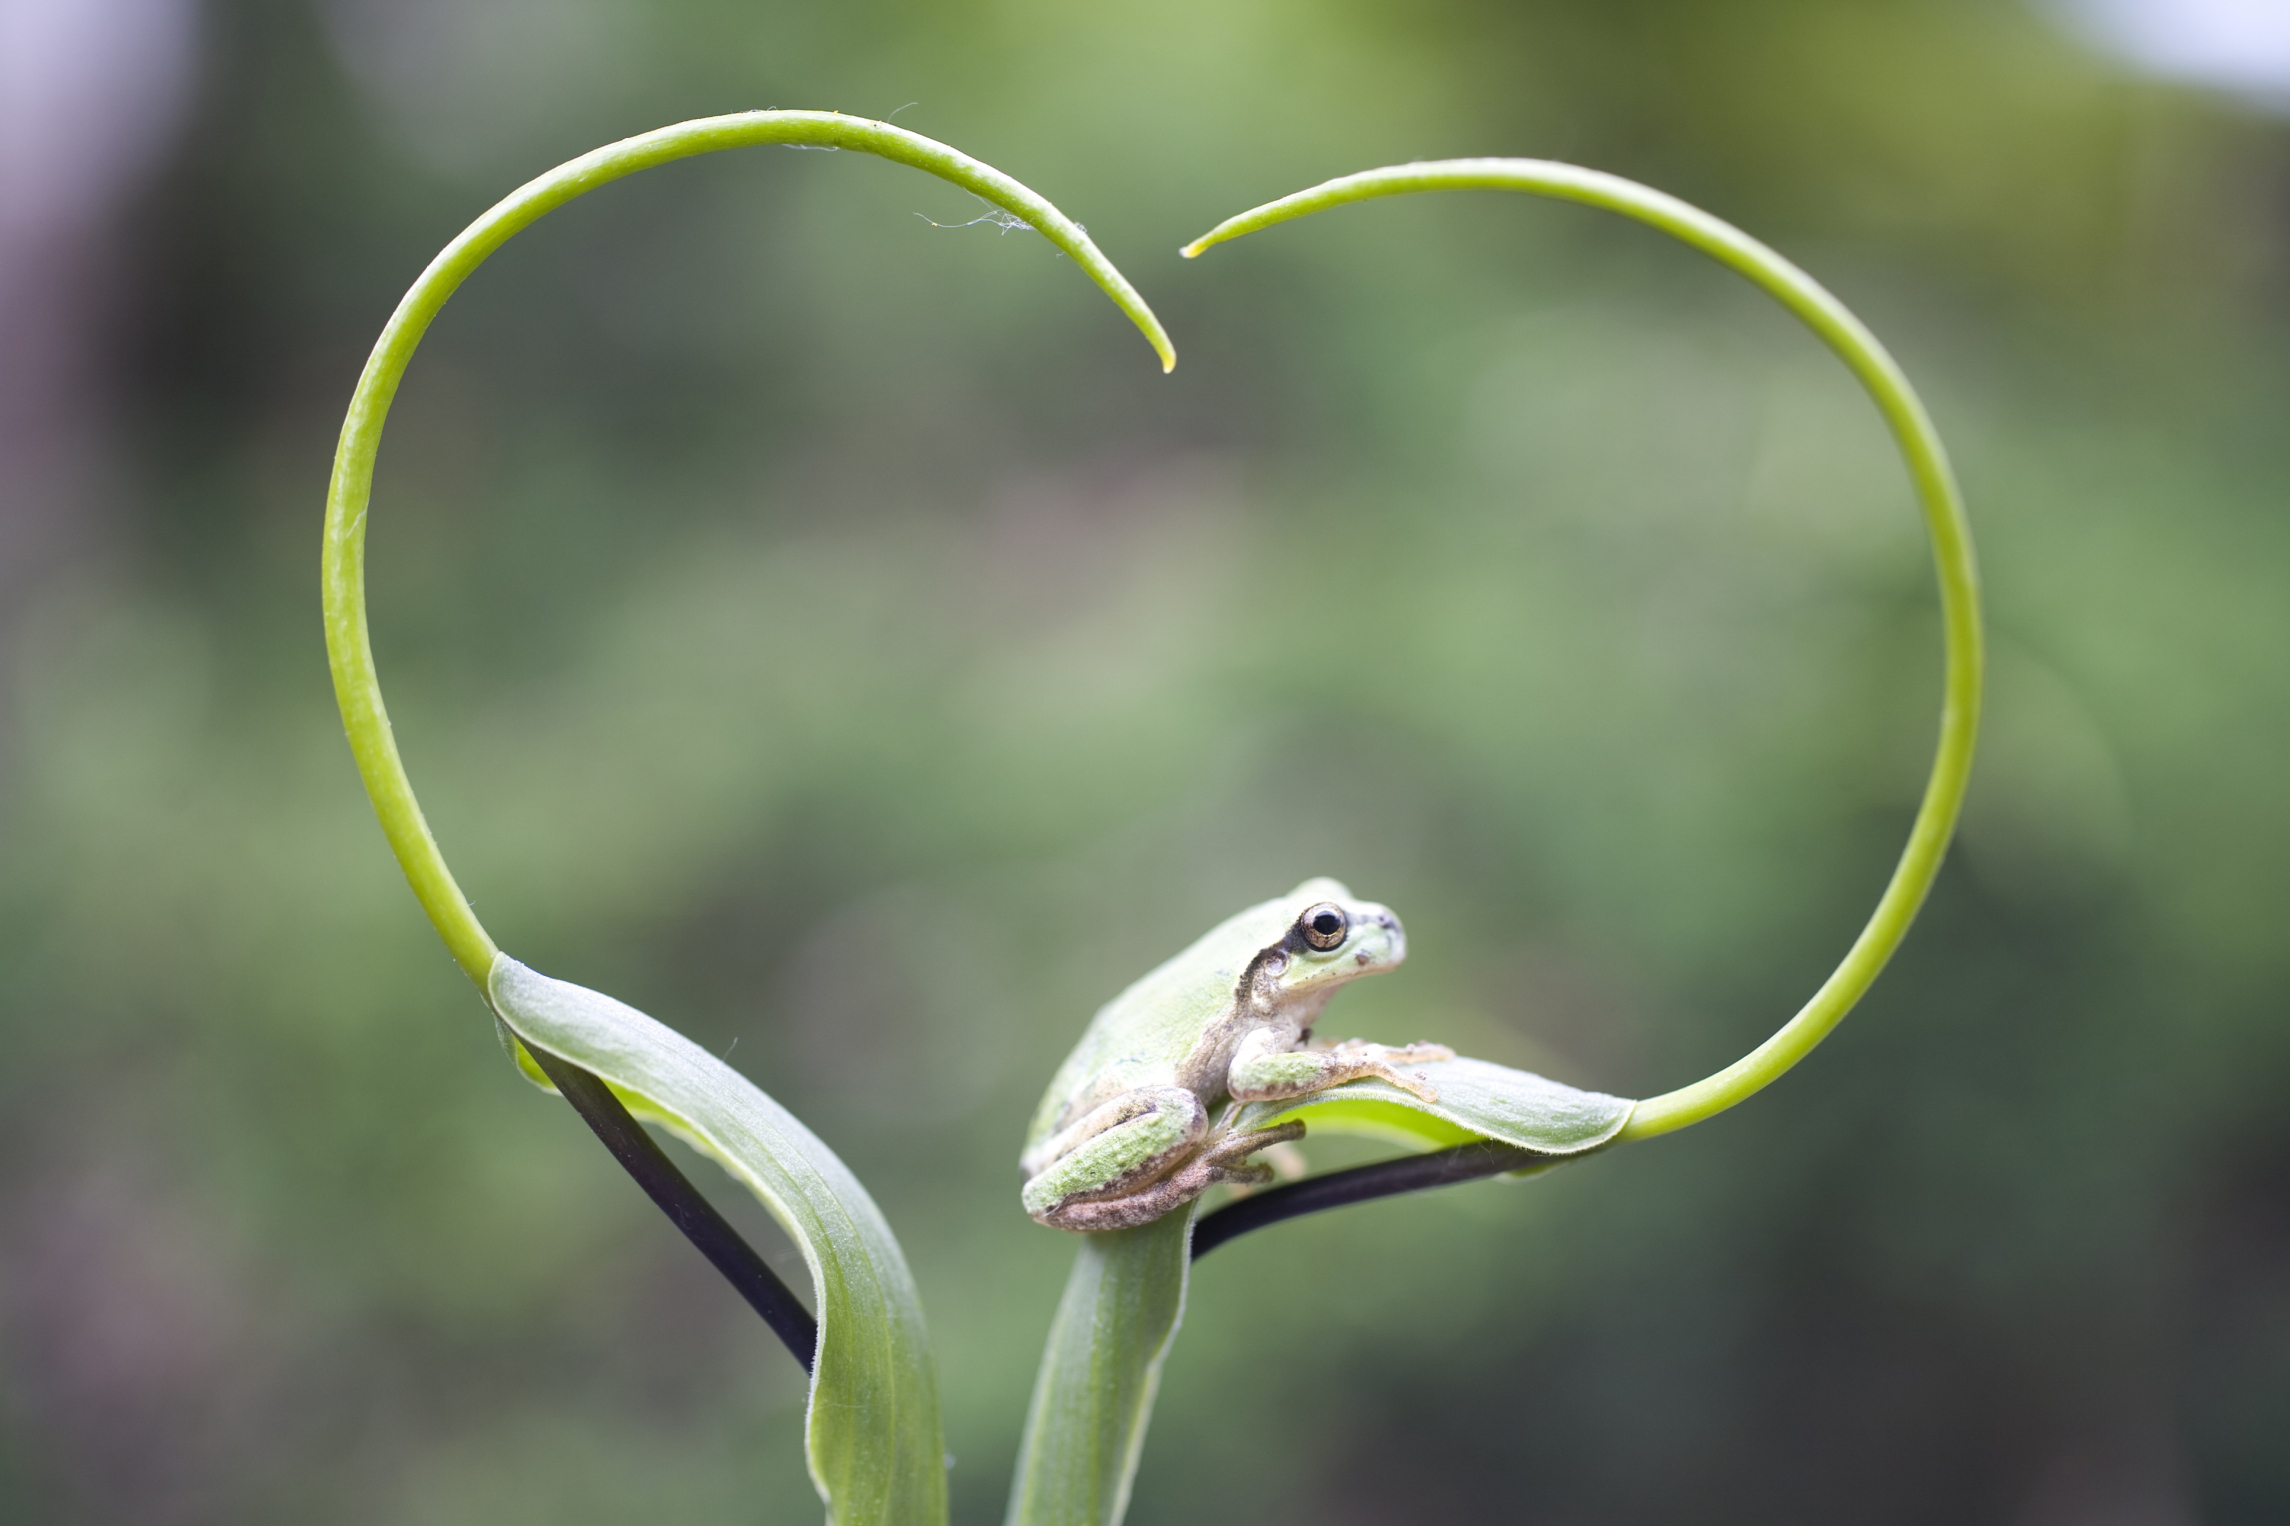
1324	925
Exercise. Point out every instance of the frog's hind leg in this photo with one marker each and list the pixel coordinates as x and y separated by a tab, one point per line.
1113	1151
1220	1162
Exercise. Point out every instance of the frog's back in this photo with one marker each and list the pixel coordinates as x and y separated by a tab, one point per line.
1141	1036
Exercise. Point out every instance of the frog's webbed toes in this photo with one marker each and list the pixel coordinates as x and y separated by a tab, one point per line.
1383	1061
1220	1155
1414	1082
1227	1161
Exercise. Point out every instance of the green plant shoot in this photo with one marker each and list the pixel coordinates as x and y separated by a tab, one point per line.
1092	1400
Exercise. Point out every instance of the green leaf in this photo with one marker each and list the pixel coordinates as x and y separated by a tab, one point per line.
1477	1100
872	1436
1094	1394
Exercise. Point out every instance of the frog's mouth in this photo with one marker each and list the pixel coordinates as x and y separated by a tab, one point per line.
1377	942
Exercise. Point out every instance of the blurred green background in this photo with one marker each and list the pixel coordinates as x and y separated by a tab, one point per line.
831	633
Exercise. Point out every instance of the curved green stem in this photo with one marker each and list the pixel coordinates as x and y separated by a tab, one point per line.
1943	516
348	647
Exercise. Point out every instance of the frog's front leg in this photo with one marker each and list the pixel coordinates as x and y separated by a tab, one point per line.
1265	1070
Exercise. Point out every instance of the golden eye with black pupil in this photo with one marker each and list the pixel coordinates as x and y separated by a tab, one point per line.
1324	925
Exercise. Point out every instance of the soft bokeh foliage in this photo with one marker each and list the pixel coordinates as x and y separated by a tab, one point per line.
830	633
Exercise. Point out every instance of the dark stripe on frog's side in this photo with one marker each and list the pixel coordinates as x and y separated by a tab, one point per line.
1203	1071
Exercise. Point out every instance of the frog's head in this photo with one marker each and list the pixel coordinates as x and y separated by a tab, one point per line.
1330	937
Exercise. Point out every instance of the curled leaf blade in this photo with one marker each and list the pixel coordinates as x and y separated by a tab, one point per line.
872	1436
1477	1100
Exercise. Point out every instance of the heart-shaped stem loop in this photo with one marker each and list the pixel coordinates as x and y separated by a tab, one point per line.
1943	506
348	646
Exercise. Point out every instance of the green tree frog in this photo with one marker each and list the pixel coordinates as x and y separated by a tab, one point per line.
1125	1132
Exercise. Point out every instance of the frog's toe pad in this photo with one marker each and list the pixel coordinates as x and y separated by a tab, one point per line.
1242	1176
